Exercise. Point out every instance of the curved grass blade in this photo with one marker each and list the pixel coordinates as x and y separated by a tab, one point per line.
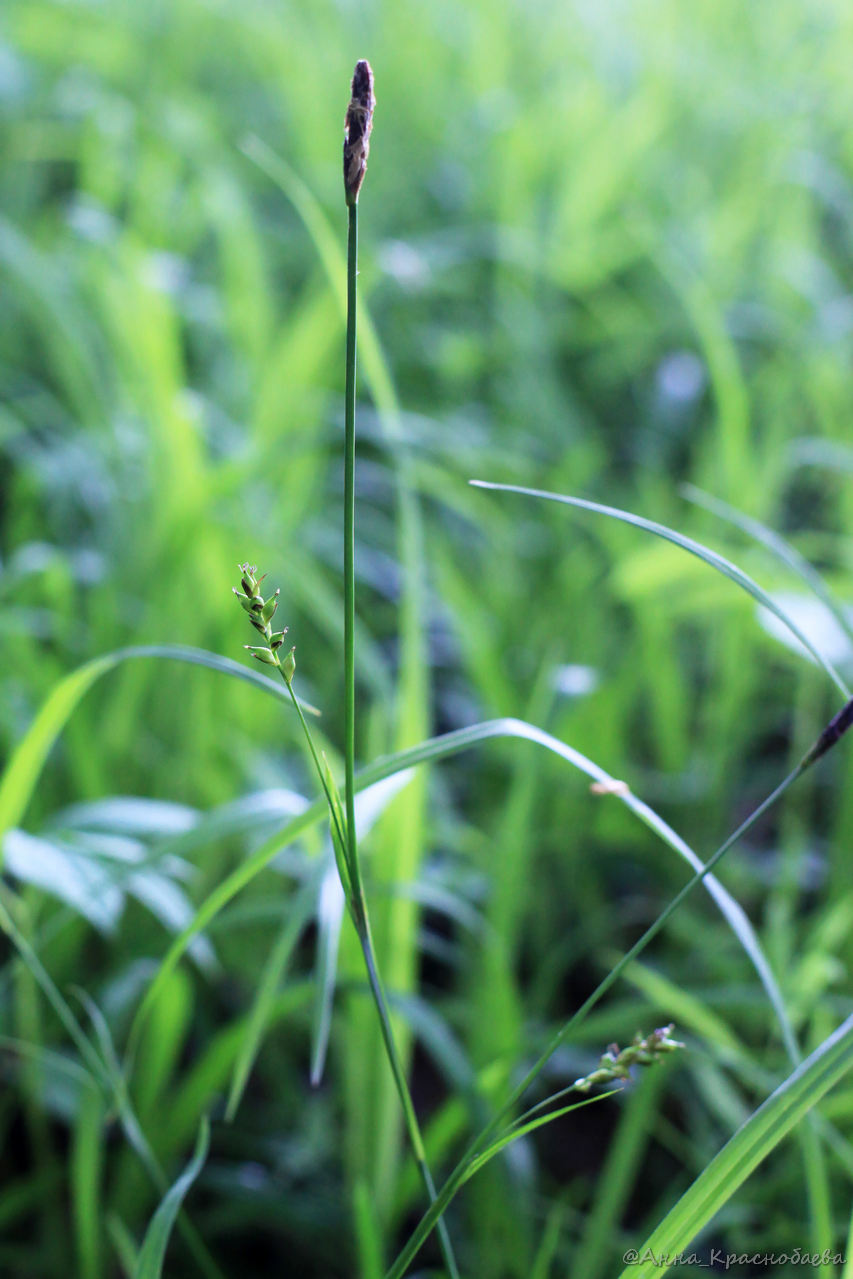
56	1000
330	914
299	914
722	565
47	1058
27	760
371	355
104	1069
135	1135
437	748
123	1244
458	1179
150	1262
752	1143
368	808
521	1130
777	545
86	1175
213	662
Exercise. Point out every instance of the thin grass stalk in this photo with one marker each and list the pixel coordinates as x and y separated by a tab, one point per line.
356	145
349	545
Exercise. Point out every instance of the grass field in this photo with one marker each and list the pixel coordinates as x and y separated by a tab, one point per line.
606	252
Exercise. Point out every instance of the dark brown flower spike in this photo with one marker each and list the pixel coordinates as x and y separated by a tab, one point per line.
835	729
357	126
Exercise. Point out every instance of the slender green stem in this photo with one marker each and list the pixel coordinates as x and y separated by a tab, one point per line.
412	1126
358	907
333	816
460	1173
349	545
358	903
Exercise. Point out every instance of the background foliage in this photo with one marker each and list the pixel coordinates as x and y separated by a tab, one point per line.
606	250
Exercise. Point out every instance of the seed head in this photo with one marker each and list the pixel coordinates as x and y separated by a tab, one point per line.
261	613
614	1065
357	126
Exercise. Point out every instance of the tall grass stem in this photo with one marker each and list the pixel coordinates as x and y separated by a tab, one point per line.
349	544
359	903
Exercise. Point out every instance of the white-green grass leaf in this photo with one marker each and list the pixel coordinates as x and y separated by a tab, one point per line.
712	558
150	1261
438	748
778	546
27	760
298	912
752	1143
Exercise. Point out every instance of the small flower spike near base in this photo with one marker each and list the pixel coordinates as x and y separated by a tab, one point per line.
615	1064
261	613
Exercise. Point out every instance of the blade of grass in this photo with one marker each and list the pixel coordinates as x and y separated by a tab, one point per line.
150	1261
330	914
104	1069
123	1244
777	545
752	1143
704	553
299	913
512	1134
86	1170
135	1135
367	1233
621	1166
60	1005
369	807
443	747
549	1243
22	771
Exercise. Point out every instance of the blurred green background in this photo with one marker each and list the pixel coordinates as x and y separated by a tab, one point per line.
606	250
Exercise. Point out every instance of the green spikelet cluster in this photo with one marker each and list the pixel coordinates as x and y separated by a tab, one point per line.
261	612
615	1065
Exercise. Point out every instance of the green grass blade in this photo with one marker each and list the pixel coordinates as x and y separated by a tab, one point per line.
777	545
374	365
522	1130
123	1245
135	1135
54	997
150	1262
330	914
438	748
25	764
428	1221
549	1243
458	1178
367	1233
86	1171
722	565
619	1175
213	662
752	1143
22	771
299	912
